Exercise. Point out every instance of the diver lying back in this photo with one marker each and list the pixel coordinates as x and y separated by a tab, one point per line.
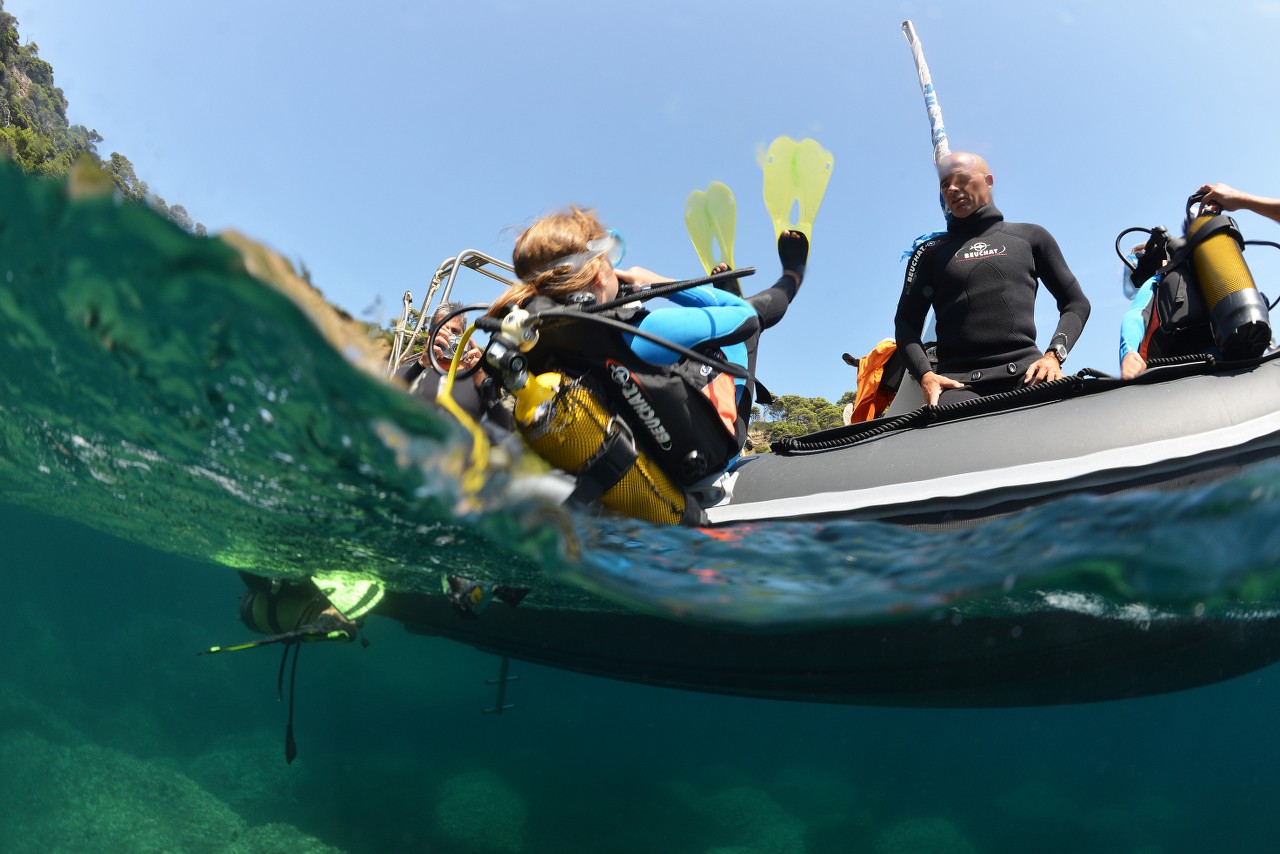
688	416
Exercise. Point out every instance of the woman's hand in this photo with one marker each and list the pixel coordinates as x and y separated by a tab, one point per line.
640	276
1131	365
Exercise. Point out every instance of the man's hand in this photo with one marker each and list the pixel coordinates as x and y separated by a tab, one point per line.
470	358
932	385
444	356
1131	365
1043	370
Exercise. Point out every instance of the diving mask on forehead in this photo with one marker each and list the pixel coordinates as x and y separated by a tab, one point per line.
611	246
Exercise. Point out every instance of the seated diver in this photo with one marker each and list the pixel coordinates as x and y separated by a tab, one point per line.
1167	315
477	395
1160	323
689	417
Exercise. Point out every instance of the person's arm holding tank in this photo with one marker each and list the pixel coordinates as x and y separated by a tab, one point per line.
1230	199
1073	307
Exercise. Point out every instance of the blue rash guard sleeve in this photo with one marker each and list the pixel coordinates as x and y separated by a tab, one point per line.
704	296
1133	326
705	316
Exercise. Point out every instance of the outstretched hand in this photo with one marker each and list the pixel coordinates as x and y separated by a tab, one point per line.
1222	196
640	276
793	252
1228	198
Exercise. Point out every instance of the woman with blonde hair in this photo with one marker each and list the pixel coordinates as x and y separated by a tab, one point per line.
690	416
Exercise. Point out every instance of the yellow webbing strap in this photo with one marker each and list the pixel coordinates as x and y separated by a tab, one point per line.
473	477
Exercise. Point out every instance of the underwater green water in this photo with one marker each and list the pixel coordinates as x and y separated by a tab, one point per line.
166	419
115	736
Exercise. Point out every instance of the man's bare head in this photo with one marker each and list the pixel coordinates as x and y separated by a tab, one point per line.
965	182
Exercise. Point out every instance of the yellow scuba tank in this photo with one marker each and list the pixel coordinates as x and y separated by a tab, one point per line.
1241	324
567	425
272	611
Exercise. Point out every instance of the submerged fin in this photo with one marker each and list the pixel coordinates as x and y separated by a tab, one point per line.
795	179
711	216
512	596
472	597
351	595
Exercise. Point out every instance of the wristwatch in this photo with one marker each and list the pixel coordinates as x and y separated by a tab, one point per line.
1059	352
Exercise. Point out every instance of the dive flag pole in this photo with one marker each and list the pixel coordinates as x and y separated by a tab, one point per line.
936	128
938	133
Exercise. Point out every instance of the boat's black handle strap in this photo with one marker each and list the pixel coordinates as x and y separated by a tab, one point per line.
662	290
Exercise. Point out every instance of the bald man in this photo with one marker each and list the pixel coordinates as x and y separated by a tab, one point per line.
980	278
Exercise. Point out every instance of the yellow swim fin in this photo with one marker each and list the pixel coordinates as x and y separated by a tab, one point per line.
350	594
711	215
795	179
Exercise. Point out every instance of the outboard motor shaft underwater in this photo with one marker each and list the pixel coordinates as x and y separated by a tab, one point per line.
1204	281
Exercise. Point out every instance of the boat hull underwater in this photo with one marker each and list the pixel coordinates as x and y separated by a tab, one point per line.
1047	657
1180	424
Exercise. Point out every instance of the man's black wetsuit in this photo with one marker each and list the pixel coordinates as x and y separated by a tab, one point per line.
980	278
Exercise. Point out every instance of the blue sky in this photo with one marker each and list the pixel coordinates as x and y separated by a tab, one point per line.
373	140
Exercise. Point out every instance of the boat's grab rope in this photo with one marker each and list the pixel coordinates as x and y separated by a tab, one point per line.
1085	381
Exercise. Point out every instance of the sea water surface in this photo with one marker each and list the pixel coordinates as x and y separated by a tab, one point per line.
166	418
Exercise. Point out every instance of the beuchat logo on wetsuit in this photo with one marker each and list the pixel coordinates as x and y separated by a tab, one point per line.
978	250
915	261
633	394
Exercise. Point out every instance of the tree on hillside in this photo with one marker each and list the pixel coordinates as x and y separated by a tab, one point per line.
33	112
125	178
792	415
35	133
179	214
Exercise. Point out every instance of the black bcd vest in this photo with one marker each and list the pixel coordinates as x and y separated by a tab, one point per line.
683	415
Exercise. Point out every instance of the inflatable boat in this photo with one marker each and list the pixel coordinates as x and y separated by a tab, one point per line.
1176	424
1179	424
1183	422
